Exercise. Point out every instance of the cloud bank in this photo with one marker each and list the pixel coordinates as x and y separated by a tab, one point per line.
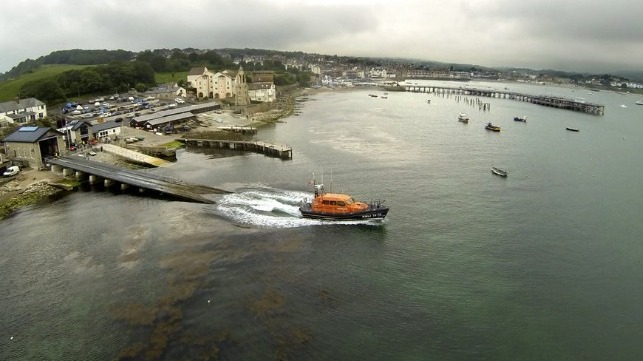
573	35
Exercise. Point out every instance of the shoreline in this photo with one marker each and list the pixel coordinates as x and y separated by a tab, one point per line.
29	188
33	186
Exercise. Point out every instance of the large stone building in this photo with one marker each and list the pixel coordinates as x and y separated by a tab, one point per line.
31	145
22	111
221	85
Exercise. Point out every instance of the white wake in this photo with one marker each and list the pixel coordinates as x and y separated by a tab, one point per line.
271	208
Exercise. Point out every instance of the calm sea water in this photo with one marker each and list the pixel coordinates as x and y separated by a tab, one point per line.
543	265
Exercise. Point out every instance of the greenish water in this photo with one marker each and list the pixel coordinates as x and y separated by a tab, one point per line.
545	264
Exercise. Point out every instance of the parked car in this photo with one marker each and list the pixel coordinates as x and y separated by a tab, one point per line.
179	100
11	171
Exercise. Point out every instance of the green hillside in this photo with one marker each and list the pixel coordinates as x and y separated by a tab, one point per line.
9	89
164	78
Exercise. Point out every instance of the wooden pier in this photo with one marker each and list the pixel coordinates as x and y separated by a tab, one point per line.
545	100
268	149
112	176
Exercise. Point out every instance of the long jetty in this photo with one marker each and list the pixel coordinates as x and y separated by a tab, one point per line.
269	149
96	172
545	100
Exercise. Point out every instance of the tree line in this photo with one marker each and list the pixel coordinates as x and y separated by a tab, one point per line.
126	70
116	77
72	57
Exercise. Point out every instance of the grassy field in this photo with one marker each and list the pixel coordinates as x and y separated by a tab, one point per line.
163	78
9	89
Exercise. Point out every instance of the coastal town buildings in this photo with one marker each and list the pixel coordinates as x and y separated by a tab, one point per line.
167	91
202	80
221	85
21	111
76	131
106	130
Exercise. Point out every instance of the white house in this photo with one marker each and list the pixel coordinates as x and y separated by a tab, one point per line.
262	88
110	129
378	73
262	92
22	111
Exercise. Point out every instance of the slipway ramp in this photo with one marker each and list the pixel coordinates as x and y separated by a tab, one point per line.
144	180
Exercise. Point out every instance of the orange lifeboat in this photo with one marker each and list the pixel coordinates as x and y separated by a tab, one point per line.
340	206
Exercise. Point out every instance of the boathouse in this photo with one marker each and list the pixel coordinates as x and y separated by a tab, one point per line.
31	145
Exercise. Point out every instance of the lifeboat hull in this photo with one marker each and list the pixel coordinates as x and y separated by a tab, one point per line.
370	213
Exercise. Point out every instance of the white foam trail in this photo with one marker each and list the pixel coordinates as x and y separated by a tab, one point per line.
270	208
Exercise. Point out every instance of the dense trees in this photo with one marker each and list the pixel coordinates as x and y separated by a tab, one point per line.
87	57
112	78
174	60
49	91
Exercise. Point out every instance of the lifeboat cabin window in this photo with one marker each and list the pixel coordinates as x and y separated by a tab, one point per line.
341	203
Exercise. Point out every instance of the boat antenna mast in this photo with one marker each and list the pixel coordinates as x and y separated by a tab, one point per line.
319	188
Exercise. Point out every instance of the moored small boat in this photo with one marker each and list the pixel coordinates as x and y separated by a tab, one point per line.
639	102
492	127
499	172
337	206
463	118
521	119
572	129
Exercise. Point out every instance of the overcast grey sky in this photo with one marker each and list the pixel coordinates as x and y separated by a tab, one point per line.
571	35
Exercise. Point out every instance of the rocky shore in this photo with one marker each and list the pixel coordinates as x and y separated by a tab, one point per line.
28	188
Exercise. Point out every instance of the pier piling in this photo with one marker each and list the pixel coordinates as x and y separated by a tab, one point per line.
545	100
